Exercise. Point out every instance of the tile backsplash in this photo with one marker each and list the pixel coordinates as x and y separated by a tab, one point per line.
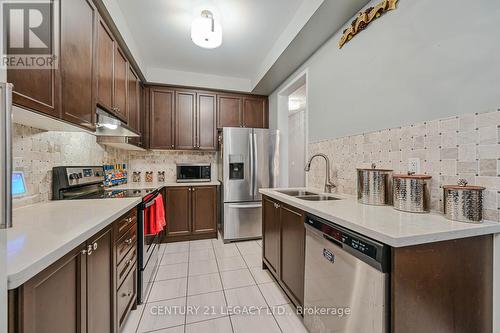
164	161
36	152
465	146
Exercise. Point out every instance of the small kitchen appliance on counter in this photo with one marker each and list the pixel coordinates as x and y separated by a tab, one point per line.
463	203
411	193
374	186
194	172
72	183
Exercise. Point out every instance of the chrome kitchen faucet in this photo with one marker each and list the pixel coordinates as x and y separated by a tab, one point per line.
329	185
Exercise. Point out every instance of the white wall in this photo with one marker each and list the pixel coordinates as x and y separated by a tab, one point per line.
296	149
210	81
425	60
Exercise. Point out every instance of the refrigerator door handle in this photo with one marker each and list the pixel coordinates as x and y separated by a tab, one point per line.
6	154
255	164
252	166
239	206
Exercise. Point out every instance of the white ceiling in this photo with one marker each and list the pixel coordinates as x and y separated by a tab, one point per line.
161	31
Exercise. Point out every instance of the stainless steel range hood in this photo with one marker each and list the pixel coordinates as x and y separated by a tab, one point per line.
108	125
111	131
121	142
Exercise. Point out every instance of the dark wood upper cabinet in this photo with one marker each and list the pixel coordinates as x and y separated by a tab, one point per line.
255	112
55	299
120	84
206	121
178	211
134	100
185	120
105	56
292	251
77	62
161	118
204	203
242	111
112	69
271	233
100	275
37	89
229	110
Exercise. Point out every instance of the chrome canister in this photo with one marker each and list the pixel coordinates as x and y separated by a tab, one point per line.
411	193
463	203
374	186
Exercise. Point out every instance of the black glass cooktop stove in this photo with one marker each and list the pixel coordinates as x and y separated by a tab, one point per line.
113	194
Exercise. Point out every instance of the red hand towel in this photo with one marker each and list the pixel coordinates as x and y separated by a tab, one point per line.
160	214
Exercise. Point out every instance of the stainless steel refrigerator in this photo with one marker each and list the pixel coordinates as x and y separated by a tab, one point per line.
5	192
248	160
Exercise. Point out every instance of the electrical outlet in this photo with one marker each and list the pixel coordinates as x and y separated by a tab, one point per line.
414	165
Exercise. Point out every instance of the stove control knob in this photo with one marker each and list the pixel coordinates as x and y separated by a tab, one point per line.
73	176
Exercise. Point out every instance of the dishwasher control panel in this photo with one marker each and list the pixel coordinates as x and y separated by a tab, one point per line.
368	248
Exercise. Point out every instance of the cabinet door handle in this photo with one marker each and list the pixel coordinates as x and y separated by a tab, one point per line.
89	250
95	246
129	262
84	252
128	241
128	294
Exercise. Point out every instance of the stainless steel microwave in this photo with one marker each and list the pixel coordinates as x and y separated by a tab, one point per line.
194	172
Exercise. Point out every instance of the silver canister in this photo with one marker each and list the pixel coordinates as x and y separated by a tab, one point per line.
411	193
463	203
374	186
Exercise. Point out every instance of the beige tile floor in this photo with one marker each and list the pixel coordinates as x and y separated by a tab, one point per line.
211	287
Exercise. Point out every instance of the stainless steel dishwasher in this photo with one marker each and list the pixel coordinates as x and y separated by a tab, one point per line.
346	280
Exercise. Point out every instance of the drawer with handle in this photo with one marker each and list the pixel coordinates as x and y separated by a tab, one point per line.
126	265
126	297
125	243
125	222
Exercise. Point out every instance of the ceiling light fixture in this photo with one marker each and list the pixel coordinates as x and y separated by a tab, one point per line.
206	32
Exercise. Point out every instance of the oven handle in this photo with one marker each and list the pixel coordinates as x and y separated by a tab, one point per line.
150	201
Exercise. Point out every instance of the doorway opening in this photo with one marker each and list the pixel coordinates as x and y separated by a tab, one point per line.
292	123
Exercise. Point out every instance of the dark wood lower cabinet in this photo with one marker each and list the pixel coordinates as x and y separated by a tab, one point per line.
444	287
204	210
271	231
80	292
54	300
100	275
191	213
178	211
284	246
292	251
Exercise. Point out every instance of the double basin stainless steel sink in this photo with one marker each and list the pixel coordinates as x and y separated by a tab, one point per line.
306	195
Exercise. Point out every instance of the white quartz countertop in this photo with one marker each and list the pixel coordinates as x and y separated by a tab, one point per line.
384	223
44	233
156	185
